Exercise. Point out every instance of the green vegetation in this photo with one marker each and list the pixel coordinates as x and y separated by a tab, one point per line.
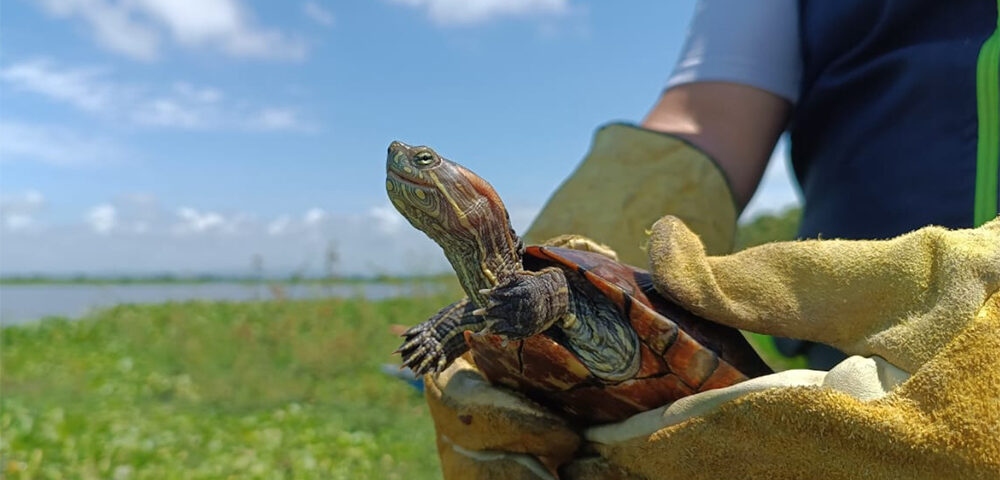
216	390
768	228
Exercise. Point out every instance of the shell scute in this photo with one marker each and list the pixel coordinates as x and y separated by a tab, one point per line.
722	377
615	280
595	404
653	392
501	364
650	363
690	361
551	366
612	291
653	328
614	402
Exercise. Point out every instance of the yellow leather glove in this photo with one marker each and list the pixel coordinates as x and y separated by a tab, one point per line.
629	179
920	398
485	432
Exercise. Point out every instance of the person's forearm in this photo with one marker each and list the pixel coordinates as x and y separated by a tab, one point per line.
736	125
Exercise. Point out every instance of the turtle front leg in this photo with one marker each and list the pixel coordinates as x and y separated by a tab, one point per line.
431	345
526	305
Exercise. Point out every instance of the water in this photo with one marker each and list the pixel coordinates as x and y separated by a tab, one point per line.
23	303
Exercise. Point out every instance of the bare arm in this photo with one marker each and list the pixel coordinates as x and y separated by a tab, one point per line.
735	124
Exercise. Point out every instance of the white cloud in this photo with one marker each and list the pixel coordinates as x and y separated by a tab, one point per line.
465	12
314	216
18	221
279	225
318	13
55	145
102	218
275	119
164	112
313	219
199	94
387	220
33	199
193	221
137	214
180	105
136	28
81	87
18	211
115	27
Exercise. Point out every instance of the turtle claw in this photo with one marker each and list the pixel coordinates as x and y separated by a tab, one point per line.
414	330
402	348
431	345
409	343
425	364
419	349
423	353
419	361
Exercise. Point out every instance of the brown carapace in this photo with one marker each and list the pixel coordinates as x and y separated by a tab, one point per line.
573	330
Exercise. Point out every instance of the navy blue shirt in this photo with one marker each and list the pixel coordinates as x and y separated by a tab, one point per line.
885	131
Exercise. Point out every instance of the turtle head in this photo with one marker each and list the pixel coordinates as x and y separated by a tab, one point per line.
440	197
455	207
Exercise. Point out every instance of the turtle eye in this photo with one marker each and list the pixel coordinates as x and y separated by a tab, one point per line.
423	158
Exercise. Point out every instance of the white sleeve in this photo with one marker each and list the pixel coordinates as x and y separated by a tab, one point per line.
753	43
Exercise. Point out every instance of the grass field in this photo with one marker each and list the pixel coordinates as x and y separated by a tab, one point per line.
216	390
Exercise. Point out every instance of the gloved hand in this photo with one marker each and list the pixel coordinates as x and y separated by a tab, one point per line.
629	179
920	398
486	432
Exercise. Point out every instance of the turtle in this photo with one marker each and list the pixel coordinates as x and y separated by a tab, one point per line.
573	330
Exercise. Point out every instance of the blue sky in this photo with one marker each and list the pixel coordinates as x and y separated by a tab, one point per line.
191	135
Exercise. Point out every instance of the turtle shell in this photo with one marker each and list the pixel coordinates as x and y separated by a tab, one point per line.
680	353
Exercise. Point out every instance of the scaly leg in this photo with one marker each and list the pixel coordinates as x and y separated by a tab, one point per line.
430	346
527	305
